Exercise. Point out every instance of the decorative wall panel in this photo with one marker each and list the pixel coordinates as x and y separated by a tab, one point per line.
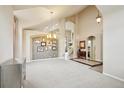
44	49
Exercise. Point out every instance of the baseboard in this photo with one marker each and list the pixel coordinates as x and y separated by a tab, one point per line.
115	77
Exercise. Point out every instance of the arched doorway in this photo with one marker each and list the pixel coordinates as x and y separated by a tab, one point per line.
91	46
69	38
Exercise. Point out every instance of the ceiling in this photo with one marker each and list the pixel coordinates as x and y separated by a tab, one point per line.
37	16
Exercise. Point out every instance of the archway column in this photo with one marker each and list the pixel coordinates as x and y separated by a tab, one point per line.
76	38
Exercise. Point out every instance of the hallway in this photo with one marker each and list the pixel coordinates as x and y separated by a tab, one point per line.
48	36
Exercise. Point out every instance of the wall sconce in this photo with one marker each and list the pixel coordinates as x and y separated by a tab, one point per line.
98	18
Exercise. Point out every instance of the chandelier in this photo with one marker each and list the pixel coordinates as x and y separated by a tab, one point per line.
51	34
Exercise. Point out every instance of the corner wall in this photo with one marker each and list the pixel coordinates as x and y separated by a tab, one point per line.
113	44
61	38
6	33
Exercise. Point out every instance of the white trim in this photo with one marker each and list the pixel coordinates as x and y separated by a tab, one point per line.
115	77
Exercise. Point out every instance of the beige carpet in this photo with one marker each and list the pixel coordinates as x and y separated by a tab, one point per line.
60	73
87	62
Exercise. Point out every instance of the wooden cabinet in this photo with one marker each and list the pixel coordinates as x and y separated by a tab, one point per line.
81	54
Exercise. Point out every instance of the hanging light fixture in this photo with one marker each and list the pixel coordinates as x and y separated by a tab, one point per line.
51	23
98	18
50	26
51	35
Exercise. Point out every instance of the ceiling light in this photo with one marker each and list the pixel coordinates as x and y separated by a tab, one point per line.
98	18
51	25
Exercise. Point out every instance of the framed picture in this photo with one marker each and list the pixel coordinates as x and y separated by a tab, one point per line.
43	43
40	49
54	48
82	44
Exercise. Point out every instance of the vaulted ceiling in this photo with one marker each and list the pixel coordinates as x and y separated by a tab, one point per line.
36	16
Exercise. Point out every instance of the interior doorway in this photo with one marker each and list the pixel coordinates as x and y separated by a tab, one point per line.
69	38
91	47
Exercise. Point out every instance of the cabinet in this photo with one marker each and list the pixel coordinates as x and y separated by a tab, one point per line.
81	54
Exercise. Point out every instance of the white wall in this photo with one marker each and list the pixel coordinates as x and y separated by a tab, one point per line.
19	41
6	33
76	37
87	26
113	44
61	38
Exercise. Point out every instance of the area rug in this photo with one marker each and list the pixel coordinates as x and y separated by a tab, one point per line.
87	62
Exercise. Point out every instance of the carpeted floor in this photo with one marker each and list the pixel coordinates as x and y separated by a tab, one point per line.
54	73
